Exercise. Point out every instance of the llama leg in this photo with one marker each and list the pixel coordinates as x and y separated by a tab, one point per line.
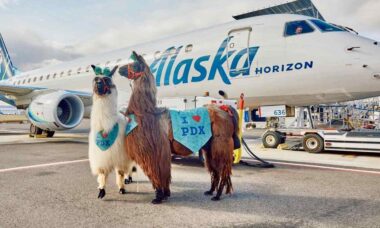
102	178
214	183
167	192
128	176
214	174
164	169
160	196
229	188
220	190
167	181
120	181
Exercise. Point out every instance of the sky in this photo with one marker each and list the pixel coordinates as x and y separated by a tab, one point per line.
39	32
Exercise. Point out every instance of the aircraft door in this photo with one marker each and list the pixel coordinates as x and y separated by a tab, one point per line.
238	44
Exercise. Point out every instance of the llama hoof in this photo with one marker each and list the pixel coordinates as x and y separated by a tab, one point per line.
167	194
102	193
157	201
129	180
122	191
160	196
215	198
208	193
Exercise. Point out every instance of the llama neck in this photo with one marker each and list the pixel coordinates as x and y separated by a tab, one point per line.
143	97
104	112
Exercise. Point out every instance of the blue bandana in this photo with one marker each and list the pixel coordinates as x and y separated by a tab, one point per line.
105	140
132	124
191	128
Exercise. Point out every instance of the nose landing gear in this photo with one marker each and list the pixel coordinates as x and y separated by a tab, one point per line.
36	132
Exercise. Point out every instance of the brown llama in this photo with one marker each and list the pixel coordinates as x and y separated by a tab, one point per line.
148	144
155	134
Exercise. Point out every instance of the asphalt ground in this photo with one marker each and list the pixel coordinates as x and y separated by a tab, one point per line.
59	194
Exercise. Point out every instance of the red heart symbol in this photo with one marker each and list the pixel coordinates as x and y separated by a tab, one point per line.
197	118
104	135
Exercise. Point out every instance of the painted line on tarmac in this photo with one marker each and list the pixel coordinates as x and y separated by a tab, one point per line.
42	165
326	167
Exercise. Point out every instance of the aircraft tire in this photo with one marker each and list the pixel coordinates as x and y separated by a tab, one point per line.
34	130
50	134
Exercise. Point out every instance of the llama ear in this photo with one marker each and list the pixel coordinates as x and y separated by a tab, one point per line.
134	56
113	71
97	70
138	58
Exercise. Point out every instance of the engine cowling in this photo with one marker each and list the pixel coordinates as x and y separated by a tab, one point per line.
56	111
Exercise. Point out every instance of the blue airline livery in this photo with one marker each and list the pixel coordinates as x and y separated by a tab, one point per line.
180	73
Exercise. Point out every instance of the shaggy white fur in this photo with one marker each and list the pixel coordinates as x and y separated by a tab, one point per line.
104	115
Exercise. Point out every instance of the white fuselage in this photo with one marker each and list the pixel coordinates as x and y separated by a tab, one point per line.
305	69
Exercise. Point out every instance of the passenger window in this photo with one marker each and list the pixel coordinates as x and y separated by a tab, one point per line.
29	80
54	75
326	27
157	55
47	77
297	28
34	79
41	77
23	82
69	72
79	70
189	48
62	73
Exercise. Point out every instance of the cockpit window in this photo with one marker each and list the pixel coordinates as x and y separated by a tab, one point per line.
297	28
326	27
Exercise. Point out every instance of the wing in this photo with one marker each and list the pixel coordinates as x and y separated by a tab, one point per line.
7	91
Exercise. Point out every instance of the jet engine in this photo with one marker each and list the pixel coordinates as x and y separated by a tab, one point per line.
56	111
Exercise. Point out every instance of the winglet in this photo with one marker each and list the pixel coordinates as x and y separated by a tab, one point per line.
7	70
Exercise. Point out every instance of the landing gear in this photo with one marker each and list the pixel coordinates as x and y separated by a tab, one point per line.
50	134
35	131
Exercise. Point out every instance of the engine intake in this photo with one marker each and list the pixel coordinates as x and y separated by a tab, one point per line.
56	111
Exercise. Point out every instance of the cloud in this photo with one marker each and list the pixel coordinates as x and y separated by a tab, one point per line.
30	51
5	3
183	17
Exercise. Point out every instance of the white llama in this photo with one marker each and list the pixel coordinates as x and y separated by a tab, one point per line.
107	134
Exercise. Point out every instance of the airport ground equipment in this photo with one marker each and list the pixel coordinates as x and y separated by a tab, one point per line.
336	133
315	141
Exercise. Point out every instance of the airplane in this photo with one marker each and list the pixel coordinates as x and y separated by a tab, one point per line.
281	59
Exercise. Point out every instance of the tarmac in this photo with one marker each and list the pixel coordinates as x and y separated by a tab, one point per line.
47	183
